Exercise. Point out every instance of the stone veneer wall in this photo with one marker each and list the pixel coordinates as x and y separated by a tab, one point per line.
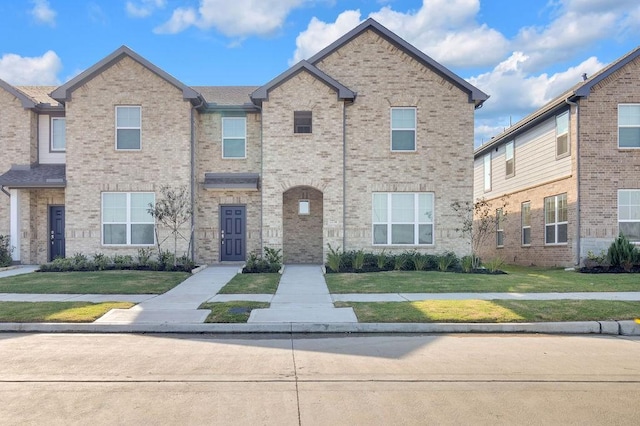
385	77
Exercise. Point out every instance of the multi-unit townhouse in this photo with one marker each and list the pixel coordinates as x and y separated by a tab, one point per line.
365	145
570	172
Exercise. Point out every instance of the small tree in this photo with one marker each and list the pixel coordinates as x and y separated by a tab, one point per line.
478	222
173	210
5	251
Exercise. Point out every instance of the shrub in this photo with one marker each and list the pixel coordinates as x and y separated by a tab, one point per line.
399	262
101	261
381	260
446	261
494	265
466	264
334	258
5	251
273	258
622	253
144	256
358	260
420	261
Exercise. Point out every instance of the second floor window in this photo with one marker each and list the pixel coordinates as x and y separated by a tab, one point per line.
629	126
234	137
562	134
487	172
302	121
128	127
58	134
556	219
510	159
403	129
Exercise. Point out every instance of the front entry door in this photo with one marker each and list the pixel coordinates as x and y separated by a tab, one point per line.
232	233
56	232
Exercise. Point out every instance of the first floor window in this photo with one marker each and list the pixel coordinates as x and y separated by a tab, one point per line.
629	213
402	218
403	129
126	220
234	137
629	126
58	134
556	219
526	223
128	127
499	228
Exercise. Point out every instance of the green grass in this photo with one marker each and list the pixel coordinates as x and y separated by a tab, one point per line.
56	311
493	311
223	312
99	282
518	280
252	284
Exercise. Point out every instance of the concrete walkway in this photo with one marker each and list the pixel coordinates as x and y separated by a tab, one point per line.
302	297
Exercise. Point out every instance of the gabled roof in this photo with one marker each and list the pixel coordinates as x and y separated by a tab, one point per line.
580	90
476	95
262	93
63	93
25	100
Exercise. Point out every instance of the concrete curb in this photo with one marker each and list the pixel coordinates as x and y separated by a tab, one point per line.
624	328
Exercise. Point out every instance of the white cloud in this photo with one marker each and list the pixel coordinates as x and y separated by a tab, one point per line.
143	8
238	18
30	71
42	13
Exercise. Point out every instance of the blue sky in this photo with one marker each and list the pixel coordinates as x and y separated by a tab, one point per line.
521	52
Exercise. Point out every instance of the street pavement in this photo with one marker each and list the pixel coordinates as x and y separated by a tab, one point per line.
188	379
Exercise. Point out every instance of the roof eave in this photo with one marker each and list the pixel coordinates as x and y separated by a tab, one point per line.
27	102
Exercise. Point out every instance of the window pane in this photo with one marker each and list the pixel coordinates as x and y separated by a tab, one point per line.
379	234
142	234
139	206
629	115
629	137
403	118
114	234
302	121
487	172
425	234
631	230
233	127
550	210
402	234
500	238
562	208
509	151
562	144
550	234
562	233
402	208
403	140
562	123
526	214
59	134
128	116
128	139
233	148
114	207
425	208
526	236
380	207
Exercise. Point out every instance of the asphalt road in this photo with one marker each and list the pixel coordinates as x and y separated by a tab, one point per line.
319	380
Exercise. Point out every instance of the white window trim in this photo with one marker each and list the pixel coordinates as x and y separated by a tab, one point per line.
244	119
568	133
415	129
487	178
555	223
128	222
127	128
523	226
618	135
416	229
51	148
626	221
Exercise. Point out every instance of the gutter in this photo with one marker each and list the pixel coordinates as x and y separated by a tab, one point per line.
5	191
578	237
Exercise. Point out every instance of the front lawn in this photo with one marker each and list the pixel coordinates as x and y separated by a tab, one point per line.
517	280
266	283
231	312
493	311
98	282
56	311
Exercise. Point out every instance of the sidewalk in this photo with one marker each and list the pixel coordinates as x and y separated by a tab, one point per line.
302	304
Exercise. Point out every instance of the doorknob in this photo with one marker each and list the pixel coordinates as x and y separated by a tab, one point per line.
222	237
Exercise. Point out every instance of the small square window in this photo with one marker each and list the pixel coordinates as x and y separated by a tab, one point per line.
303	207
302	121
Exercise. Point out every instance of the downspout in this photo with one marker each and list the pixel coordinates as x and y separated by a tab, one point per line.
578	238
344	173
261	179
193	178
5	191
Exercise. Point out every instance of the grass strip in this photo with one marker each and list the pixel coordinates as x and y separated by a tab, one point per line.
252	284
57	311
493	311
231	312
517	280
97	282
